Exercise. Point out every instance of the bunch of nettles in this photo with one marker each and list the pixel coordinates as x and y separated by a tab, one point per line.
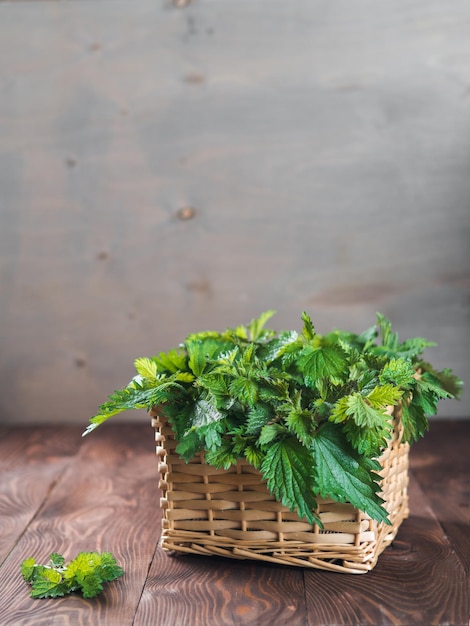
85	574
311	412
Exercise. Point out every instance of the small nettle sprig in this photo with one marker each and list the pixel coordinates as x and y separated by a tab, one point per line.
85	574
312	412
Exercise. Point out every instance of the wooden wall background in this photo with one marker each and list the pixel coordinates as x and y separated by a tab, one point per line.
166	169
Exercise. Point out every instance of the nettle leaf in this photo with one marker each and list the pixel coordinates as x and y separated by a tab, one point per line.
256	326
414	422
109	569
205	430
384	395
83	564
369	442
221	457
414	346
254	456
270	432
389	339
290	354
131	397
90	585
245	390
136	395
322	409
369	426
354	355
197	358
340	410
366	427
164	391
367	337
275	348
212	435
367	381
240	440
432	383
427	394
364	413
204	412
217	388
201	352
247	357
322	362
344	475
301	423
184	377
27	569
146	367
308	330
241	332
49	585
273	390
448	381
190	444
399	372
57	560
171	361
258	416
288	469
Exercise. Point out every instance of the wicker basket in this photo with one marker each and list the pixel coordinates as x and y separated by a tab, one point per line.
231	513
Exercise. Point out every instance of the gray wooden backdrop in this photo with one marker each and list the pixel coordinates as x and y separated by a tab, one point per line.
166	169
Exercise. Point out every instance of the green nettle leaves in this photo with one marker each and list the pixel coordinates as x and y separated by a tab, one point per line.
245	390
287	466
257	417
384	395
172	361
366	427
312	412
146	367
365	416
85	574
322	362
342	474
256	327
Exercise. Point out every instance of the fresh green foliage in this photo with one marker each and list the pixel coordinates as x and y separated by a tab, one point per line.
86	574
289	471
312	412
346	475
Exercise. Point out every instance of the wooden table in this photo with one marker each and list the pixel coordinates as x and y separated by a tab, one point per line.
62	493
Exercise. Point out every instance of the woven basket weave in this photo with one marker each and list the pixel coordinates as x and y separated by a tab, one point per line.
231	513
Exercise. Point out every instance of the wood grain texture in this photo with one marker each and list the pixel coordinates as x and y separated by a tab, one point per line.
106	498
31	463
425	584
209	591
107	501
323	147
441	466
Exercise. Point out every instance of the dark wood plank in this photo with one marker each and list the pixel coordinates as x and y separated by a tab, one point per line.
418	580
34	444
107	501
441	463
32	459
103	495
208	591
